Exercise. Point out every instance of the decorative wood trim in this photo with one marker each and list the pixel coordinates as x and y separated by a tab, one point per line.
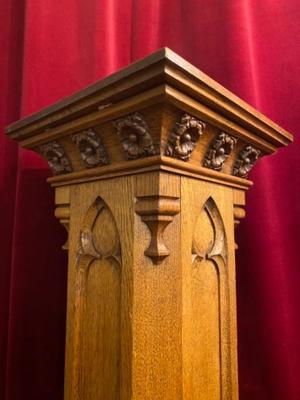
245	161
91	148
135	136
219	151
157	212
215	249
184	137
161	66
217	246
156	163
58	161
86	254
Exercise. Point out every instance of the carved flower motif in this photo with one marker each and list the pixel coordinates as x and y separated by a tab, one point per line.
219	151
184	137
245	161
56	157
135	136
91	148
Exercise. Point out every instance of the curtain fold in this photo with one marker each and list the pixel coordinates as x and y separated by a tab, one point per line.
51	49
10	82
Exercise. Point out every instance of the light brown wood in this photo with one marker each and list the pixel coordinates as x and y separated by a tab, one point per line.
150	173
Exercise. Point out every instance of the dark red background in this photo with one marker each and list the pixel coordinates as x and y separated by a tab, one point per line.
50	49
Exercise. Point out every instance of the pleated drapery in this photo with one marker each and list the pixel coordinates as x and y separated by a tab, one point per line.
49	49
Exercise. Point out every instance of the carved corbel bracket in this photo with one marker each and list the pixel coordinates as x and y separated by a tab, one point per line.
238	213
62	212
157	212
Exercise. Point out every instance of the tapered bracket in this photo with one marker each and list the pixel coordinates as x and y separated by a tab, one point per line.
157	212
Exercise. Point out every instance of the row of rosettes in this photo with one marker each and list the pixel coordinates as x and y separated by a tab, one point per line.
137	142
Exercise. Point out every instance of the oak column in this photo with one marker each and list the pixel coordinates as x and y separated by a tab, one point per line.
150	173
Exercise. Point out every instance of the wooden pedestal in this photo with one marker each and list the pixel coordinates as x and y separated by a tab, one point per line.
150	172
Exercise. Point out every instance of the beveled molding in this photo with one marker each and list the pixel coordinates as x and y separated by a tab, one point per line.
168	110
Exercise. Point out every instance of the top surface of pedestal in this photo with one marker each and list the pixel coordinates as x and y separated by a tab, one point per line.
159	108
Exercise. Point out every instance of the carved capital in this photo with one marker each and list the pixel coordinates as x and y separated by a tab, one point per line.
157	212
245	161
91	148
58	161
135	136
219	151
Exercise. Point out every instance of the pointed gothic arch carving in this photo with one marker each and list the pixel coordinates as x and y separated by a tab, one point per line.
98	240
214	245
210	274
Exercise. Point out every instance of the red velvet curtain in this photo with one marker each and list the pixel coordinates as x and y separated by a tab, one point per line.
50	49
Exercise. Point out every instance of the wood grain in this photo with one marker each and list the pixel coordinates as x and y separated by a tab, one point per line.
151	169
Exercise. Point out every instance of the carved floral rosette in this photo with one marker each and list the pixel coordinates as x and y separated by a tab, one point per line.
219	151
135	136
58	161
245	161
184	137
91	148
